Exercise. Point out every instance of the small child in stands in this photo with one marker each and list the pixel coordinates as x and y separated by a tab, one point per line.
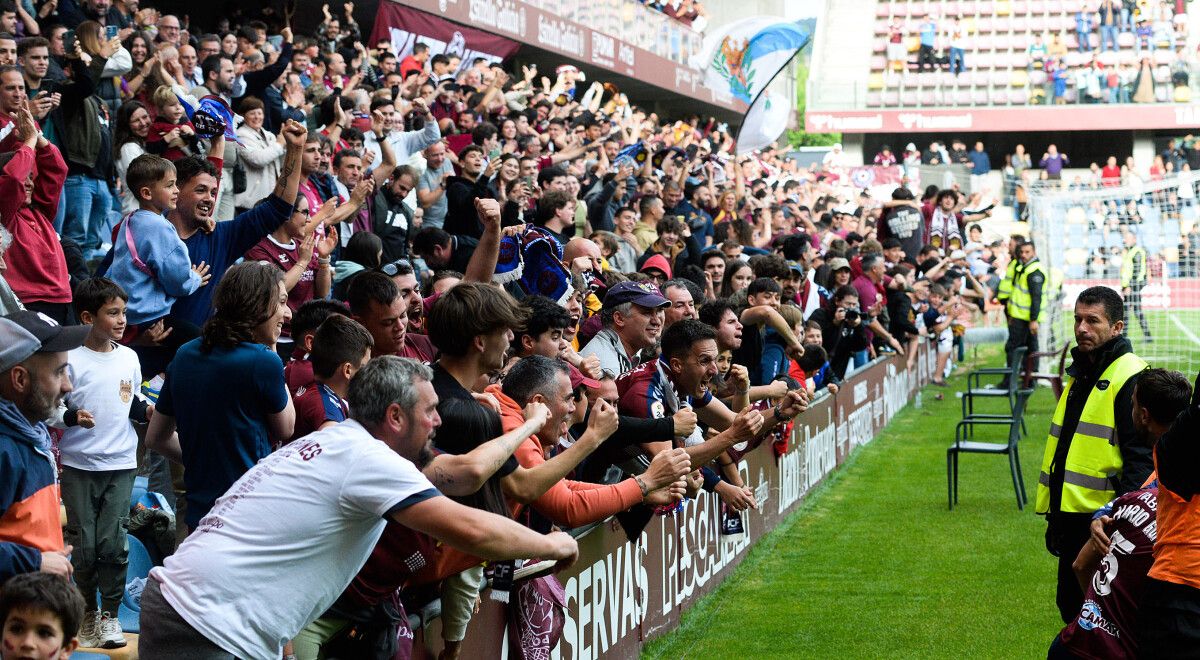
171	135
39	616
99	456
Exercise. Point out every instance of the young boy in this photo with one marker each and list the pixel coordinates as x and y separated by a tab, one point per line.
171	136
40	615
150	262
298	372
99	456
340	348
937	325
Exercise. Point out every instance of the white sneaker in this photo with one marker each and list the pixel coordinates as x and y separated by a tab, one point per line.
88	637
109	632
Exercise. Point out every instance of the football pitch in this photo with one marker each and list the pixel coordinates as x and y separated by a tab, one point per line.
874	565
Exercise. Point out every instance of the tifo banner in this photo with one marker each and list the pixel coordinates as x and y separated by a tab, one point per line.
743	58
404	27
622	593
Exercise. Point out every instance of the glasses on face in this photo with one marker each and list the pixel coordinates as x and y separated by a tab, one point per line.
302	212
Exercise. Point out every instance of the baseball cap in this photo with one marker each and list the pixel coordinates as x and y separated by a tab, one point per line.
845	209
638	293
838	263
27	332
578	378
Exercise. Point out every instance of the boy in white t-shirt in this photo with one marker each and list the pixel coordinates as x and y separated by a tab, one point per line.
99	456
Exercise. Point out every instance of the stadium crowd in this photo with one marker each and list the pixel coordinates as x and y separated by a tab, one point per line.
381	317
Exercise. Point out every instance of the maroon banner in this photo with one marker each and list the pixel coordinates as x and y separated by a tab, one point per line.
997	119
404	27
527	23
622	593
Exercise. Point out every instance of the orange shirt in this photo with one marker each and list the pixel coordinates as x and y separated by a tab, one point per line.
568	503
1177	550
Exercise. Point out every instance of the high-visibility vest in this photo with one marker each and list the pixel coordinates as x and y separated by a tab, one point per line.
1094	457
1127	267
1006	283
1020	303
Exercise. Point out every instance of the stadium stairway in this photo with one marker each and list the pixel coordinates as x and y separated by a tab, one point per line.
842	57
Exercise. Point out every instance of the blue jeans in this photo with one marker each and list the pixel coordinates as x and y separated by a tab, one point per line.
1085	43
89	202
1108	38
956	61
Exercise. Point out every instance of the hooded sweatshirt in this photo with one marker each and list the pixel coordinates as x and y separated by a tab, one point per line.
29	517
568	503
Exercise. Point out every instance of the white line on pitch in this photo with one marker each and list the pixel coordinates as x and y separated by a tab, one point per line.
1184	329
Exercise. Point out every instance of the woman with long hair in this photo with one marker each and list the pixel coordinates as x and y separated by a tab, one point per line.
232	368
129	141
738	276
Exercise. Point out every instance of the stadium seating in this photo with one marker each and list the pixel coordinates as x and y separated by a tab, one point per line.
998	71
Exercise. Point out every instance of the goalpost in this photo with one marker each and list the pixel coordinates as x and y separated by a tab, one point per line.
1083	232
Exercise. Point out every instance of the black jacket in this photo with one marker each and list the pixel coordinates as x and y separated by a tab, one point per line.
842	341
1179	453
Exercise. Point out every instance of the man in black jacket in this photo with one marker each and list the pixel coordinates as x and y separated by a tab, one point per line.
842	329
391	218
462	191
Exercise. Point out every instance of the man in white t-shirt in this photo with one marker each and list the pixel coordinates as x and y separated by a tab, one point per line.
277	549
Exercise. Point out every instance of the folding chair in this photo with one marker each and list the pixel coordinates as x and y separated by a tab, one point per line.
966	429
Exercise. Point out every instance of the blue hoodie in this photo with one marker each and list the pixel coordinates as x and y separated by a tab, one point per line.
29	517
164	254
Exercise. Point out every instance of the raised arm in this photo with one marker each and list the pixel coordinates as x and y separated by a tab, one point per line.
464	474
294	135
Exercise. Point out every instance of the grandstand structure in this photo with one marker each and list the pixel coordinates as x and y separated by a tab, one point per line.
1003	94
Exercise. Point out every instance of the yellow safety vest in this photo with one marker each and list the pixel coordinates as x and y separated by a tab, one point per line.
1020	303
1127	267
1006	284
1094	457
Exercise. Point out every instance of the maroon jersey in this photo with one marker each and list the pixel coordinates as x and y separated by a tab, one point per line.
269	250
1105	626
417	347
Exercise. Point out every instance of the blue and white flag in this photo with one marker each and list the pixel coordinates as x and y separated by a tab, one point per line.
743	58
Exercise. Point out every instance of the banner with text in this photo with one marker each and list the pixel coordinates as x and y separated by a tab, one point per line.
404	27
622	593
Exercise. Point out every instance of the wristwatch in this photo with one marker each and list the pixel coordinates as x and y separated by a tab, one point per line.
779	417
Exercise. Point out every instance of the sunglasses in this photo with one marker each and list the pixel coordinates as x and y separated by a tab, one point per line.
393	269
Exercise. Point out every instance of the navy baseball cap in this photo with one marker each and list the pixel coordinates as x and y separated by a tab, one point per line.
638	293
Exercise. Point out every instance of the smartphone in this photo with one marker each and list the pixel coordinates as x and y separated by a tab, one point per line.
69	41
110	32
494	153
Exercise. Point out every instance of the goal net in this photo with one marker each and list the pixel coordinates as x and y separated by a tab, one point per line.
1083	231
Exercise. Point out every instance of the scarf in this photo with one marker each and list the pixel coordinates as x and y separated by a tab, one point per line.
534	261
944	233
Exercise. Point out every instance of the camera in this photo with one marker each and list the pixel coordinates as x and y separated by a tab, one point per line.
852	315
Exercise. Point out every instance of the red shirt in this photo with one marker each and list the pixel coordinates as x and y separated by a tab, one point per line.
268	250
1110	176
37	269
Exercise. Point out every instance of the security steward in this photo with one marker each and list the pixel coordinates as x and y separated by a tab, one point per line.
1092	452
1026	306
1134	277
